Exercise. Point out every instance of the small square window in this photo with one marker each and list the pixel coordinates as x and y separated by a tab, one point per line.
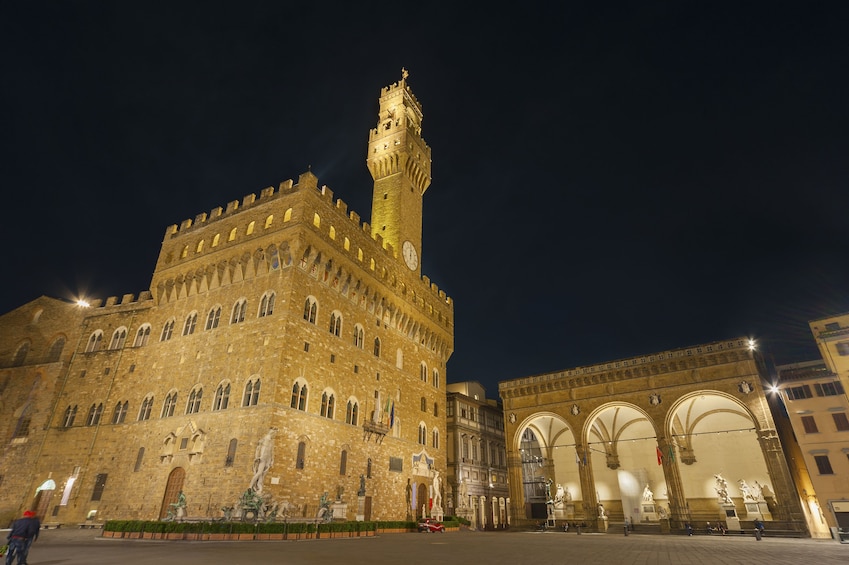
356	368
306	346
184	443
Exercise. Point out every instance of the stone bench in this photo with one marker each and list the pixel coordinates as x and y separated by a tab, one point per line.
51	525
84	525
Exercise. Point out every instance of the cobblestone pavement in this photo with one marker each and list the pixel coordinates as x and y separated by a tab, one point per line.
72	546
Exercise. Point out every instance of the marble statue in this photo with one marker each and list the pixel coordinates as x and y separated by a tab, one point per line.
602	513
548	491
437	490
463	494
721	489
748	495
559	496
263	459
648	495
362	491
177	509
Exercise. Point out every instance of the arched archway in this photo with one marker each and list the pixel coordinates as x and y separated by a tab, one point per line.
172	489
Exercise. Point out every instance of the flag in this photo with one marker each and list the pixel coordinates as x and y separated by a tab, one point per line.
659	456
672	453
585	458
392	414
577	459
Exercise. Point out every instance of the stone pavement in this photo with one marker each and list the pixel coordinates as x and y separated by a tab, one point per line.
74	546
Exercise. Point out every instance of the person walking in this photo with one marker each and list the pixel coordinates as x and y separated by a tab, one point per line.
24	531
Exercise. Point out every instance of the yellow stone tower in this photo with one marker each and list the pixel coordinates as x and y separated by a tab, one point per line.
399	161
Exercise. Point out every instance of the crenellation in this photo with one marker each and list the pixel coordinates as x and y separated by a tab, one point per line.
266	193
248	199
186	224
232	206
286	186
200	218
354	217
342	207
127	298
111	301
215	213
326	193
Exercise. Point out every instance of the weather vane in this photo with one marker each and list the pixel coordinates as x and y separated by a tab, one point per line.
404	73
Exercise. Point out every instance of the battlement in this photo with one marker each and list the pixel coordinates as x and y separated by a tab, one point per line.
401	85
306	182
126	300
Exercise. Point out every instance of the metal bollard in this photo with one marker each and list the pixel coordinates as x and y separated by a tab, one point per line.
579	530
758	534
626	529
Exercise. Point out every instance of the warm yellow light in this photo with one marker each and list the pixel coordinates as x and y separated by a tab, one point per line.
751	345
82	303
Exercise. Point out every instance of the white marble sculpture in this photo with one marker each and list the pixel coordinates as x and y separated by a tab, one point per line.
648	495
748	495
437	490
263	459
721	489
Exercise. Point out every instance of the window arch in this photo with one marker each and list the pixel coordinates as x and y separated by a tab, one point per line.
423	404
56	350
250	229
94	342
199	247
167	330
423	372
352	412
435	438
24	419
299	396
239	309
120	412
119	338
343	462
377	347
232	235
70	414
310	309
222	397
169	404
287	215
139	459
213	318
358	336
336	323
422	433
436	381
328	403
316	220
251	392
142	336
94	414
195	397
21	354
266	304
190	323
216	239
436	408
146	405
269	220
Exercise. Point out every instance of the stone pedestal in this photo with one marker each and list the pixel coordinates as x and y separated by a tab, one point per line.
602	523
361	508
649	511
729	514
758	511
339	510
467	513
565	511
437	513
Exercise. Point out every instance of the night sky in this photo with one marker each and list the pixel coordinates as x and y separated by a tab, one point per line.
609	180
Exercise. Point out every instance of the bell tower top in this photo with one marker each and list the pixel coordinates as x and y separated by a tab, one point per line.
399	162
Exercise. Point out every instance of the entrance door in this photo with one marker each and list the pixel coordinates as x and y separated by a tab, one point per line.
172	489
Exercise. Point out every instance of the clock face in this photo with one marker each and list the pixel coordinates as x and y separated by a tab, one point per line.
410	255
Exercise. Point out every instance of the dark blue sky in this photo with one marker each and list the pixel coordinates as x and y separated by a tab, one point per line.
608	181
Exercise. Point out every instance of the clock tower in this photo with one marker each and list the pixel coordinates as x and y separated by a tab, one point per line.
399	162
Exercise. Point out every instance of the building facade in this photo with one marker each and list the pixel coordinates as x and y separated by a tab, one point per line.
661	440
815	404
288	359
477	457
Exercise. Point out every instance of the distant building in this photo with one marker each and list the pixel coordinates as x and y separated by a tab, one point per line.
662	440
285	350
818	410
832	337
477	456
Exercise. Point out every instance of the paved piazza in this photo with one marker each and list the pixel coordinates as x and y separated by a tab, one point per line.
71	547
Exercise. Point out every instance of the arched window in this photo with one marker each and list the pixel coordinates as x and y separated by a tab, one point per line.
239	309
299	397
336	323
422	434
316	220
169	405
193	406
328	401
213	318
358	336
216	240
251	393
435	439
436	408
423	406
377	347
190	324
119	338
56	349
343	462
167	331
287	215
266	304
436	382
268	221
142	336
93	344
120	412
352	413
70	414
21	354
222	397
144	411
22	425
423	372
250	228
310	309
94	414
232	235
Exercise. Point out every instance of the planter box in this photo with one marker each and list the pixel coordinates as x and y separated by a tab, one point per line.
217	537
245	536
133	535
174	535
